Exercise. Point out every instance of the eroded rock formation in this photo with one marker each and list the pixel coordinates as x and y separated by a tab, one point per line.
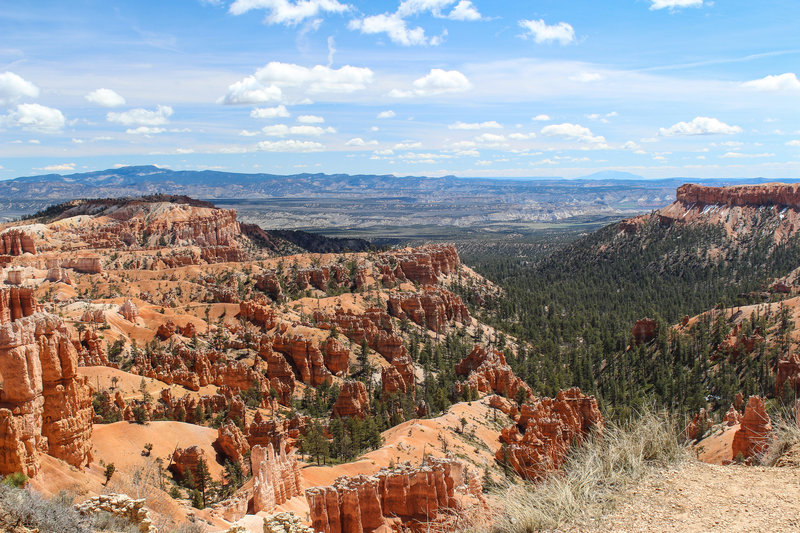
231	443
276	477
398	378
16	242
755	431
488	372
353	400
779	194
549	427
433	308
121	506
644	330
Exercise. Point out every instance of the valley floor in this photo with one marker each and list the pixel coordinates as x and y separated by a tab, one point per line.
700	497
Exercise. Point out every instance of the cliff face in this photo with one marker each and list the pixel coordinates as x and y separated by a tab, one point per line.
488	372
44	406
16	242
779	194
276	477
370	503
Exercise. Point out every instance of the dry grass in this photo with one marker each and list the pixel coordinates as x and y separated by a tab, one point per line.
787	435
593	476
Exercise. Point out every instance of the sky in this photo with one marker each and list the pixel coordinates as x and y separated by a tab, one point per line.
658	88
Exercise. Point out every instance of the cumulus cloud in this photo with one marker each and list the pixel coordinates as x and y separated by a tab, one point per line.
521	136
35	117
572	131
310	119
282	130
700	126
288	12
393	26
793	143
358	141
318	79
781	82
407	145
14	88
675	4
540	32
290	145
541	118
740	155
437	81
475	125
145	130
62	167
387	114
270	112
490	138
142	117
105	98
464	10
250	91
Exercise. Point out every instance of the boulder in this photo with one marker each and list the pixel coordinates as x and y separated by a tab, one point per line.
121	506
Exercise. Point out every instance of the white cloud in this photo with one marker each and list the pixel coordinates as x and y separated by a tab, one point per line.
35	117
270	112
437	81
105	98
475	125
248	133
142	117
464	10
407	145
572	131
522	136
793	143
739	155
145	130
782	82
310	119
358	141
387	114
315	80
14	88
700	126
288	12
250	91
541	118
490	138
542	33
393	26
385	151
586	77
58	168
674	4
290	145
281	130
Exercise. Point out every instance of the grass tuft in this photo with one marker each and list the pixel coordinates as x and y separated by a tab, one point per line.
593	476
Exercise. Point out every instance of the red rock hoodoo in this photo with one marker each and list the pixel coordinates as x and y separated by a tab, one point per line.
276	477
644	330
488	372
352	401
755	432
551	426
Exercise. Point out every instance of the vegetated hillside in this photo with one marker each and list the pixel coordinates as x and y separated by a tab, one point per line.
578	305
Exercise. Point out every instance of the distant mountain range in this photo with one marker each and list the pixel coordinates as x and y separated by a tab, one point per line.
311	201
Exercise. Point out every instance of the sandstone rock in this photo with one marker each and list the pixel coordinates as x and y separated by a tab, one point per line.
189	330
780	194
121	506
231	443
732	417
698	426
16	303
48	406
269	283
788	372
16	277
353	400
374	325
129	311
259	314
398	378
551	426
287	522
90	350
488	372
95	316
755	432
336	357
16	242
166	330
276	477
644	330
374	503
306	356
85	264
504	405
434	308
187	459
278	432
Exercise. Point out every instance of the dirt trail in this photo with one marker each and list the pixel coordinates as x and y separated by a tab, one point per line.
699	497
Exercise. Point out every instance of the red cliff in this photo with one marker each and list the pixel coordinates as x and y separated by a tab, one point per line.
488	372
780	194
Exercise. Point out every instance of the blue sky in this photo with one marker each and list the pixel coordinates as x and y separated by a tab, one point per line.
660	88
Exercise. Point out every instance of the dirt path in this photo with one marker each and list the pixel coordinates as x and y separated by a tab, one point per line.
699	497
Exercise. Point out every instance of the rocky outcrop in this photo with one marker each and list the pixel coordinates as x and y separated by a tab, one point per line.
408	495
276	477
433	308
353	400
788	372
398	378
549	427
755	431
129	311
121	506
504	405
16	303
778	194
259	313
269	283
306	356
644	330
231	443
277	432
184	459
736	344
336	357
488	372
166	330
698	426
46	405
374	325
85	264
90	350
426	264
16	242
732	417
287	522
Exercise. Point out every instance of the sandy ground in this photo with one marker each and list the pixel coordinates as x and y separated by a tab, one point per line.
700	497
